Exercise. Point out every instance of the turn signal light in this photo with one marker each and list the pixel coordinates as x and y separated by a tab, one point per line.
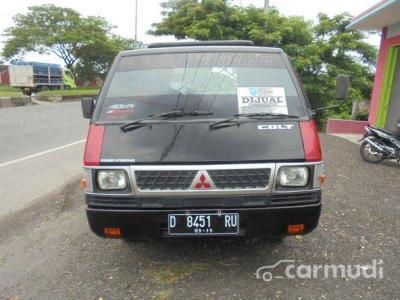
112	232
83	183
322	179
295	229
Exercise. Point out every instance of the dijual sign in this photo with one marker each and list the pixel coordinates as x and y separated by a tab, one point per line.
262	100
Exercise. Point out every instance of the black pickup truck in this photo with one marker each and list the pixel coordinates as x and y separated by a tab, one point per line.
202	139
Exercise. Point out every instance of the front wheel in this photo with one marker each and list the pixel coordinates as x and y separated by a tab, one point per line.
27	92
370	154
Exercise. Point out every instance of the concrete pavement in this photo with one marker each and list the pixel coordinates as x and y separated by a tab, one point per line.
41	147
354	138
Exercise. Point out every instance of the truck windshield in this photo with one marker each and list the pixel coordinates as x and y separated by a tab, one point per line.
223	83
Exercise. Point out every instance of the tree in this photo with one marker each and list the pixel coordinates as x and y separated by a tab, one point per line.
96	58
319	51
216	20
336	50
58	30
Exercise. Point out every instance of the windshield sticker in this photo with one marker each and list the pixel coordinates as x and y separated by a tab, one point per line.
275	126
119	111
262	100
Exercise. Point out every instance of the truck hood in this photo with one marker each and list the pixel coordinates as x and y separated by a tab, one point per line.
259	141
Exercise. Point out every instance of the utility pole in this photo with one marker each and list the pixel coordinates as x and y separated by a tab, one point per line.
136	19
266	5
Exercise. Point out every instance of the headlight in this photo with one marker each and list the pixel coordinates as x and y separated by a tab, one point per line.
111	179
293	176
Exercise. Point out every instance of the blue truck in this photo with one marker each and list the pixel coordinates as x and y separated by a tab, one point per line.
33	77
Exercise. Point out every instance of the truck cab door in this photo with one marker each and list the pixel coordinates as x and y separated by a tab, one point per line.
68	79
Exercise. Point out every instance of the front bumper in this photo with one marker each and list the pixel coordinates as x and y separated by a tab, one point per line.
267	219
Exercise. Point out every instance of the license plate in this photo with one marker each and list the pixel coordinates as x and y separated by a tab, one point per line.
203	224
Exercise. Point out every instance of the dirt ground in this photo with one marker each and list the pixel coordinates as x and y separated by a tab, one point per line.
48	251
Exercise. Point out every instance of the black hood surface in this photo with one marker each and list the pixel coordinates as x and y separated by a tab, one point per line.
259	141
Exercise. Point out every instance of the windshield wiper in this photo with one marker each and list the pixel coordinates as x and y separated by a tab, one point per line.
165	115
234	121
199	113
224	123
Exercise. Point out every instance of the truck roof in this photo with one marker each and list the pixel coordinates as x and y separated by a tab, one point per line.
36	64
202	43
203	46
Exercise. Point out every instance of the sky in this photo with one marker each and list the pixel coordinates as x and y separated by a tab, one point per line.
121	13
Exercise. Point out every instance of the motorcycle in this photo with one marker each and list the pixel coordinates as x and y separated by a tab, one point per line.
379	144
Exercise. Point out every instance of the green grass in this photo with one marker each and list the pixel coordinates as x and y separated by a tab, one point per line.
8	91
77	91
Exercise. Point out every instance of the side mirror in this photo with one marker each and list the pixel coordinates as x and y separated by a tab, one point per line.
398	123
87	107
342	87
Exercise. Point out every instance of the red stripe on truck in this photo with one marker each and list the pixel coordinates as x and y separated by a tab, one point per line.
309	134
94	145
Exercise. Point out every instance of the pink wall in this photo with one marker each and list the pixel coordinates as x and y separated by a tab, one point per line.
386	43
346	126
357	127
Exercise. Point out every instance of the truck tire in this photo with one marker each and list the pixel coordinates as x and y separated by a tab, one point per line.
27	92
369	154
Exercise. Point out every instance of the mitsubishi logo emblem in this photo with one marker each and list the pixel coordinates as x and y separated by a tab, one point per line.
202	181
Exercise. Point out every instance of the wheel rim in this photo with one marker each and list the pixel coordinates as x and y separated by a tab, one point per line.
371	154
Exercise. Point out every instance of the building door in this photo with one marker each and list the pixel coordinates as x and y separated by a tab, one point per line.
393	113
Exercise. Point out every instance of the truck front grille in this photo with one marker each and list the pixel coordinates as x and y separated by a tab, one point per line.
164	180
180	180
240	178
